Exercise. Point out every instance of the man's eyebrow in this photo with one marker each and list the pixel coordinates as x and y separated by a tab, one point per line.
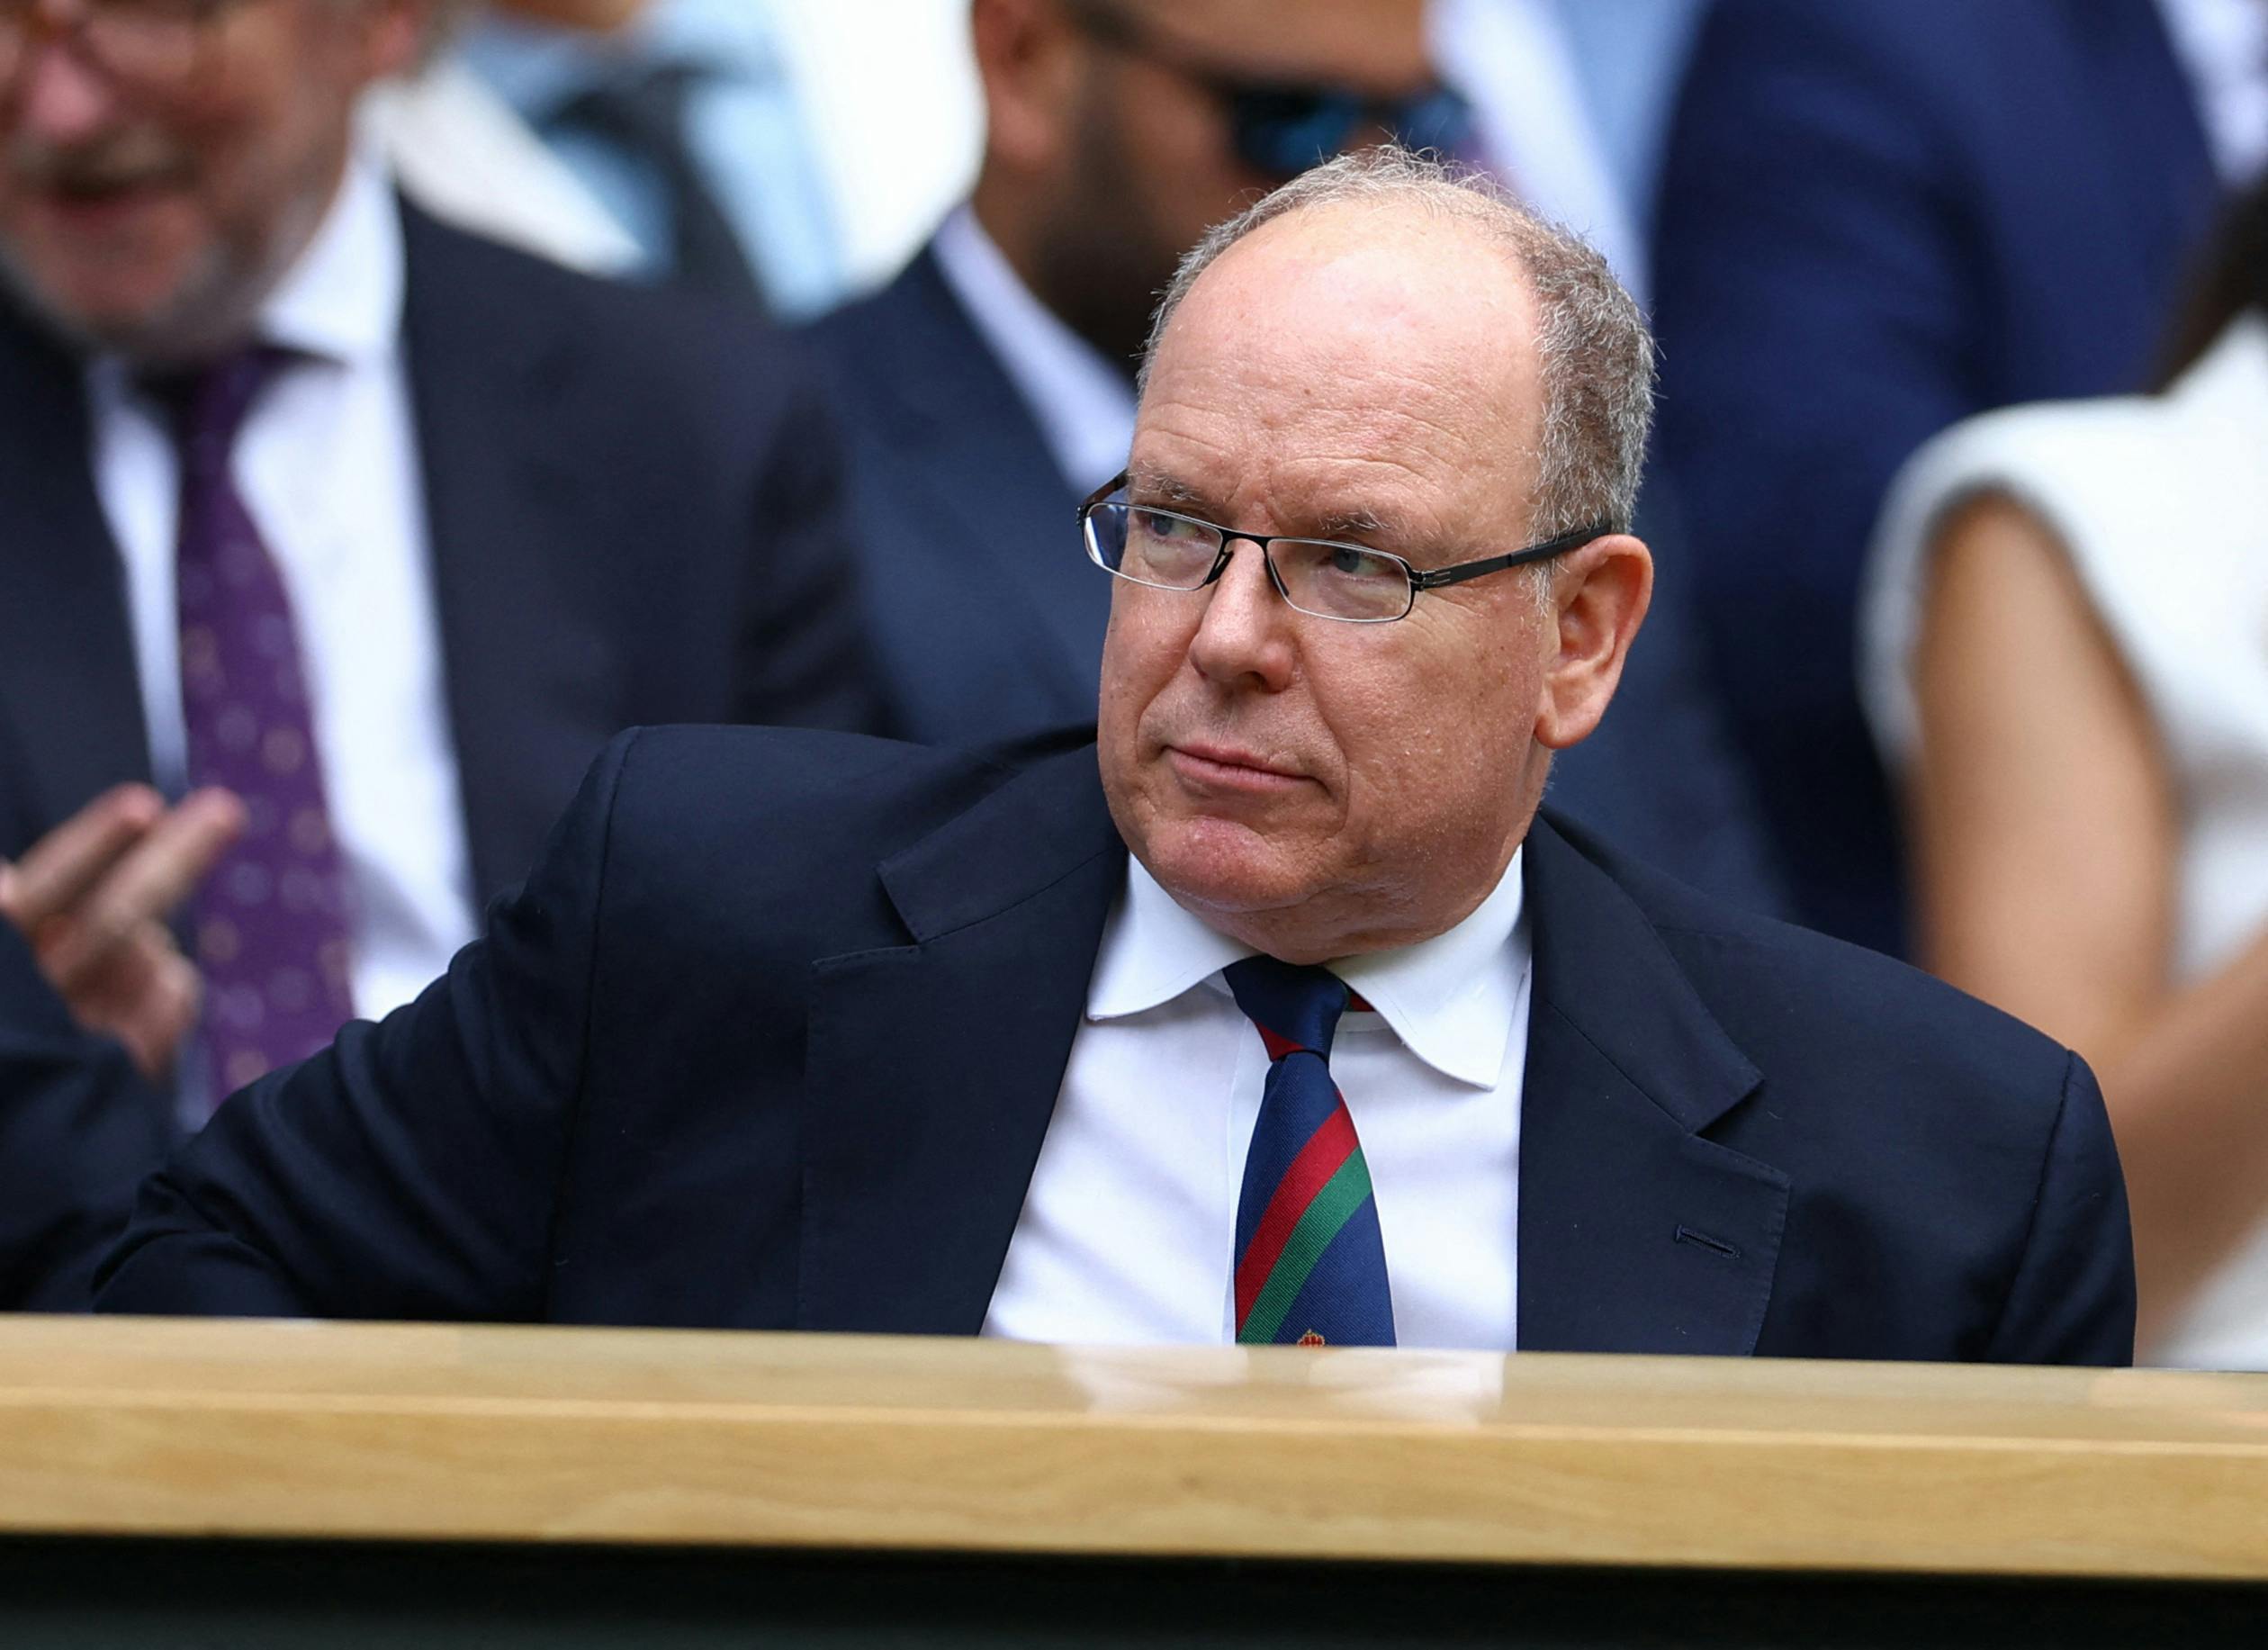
1161	488
1169	492
1357	523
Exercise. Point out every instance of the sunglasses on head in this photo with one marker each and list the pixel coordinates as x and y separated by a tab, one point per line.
1283	129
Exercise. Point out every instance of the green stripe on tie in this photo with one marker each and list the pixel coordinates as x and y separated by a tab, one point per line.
1332	1208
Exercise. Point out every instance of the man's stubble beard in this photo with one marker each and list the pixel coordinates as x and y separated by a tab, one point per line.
1100	265
212	309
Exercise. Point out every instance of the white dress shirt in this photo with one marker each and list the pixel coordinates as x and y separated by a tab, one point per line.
328	465
1126	1231
2222	46
1083	404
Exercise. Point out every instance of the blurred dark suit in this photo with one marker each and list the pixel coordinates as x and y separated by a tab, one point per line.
985	620
78	1129
1878	217
632	503
988	621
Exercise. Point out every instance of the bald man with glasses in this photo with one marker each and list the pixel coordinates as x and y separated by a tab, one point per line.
1280	1013
989	387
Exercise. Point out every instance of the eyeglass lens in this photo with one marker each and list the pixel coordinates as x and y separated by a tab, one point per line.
1176	553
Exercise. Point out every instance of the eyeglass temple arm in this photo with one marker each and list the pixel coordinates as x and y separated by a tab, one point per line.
1572	539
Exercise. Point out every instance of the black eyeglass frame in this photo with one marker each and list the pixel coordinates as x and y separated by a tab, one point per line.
1420	578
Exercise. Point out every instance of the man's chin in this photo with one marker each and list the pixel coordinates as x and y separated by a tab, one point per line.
143	320
1223	868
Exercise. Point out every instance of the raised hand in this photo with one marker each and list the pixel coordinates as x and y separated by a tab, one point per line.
94	897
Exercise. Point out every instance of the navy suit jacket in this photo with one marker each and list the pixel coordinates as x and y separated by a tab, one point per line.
1875	217
987	620
772	1037
78	1129
633	512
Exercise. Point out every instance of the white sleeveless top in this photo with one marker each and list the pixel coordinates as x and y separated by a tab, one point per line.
2162	504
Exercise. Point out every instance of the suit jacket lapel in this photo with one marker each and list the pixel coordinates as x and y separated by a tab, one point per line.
1637	1233
933	1067
978	453
528	683
70	684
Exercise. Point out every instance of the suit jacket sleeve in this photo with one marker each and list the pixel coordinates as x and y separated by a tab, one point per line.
412	1169
2073	1298
802	658
78	1128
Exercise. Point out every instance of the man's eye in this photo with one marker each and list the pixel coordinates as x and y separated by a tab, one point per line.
1166	529
1345	562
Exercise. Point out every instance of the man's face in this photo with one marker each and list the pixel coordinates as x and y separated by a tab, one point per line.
151	211
1153	161
1318	787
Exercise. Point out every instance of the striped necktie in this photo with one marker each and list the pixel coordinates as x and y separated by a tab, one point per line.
1311	1265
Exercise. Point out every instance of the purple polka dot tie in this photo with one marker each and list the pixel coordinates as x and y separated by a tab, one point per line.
270	922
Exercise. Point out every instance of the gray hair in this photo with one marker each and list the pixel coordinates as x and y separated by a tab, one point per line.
1593	353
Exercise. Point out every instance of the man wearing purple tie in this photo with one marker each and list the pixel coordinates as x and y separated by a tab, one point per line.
1279	1014
354	535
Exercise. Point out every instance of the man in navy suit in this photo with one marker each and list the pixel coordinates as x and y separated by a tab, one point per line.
990	386
1278	1014
357	534
1876	217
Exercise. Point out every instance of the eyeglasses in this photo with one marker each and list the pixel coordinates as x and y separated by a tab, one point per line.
138	40
1282	129
1169	551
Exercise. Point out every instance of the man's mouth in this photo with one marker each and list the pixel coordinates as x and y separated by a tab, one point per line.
1209	768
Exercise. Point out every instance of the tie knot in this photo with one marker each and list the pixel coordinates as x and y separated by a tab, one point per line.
207	405
1295	1007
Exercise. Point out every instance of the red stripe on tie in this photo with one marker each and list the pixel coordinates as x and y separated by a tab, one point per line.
1326	1148
1277	1047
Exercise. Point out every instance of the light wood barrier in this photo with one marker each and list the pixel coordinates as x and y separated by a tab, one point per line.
126	1434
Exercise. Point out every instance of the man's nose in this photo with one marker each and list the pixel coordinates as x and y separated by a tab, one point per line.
60	97
1247	634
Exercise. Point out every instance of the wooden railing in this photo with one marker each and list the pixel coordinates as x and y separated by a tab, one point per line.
148	1428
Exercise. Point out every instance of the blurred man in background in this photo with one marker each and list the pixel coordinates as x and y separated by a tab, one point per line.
1878	217
356	532
990	386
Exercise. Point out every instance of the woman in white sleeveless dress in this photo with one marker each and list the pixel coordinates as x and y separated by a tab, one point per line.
2065	660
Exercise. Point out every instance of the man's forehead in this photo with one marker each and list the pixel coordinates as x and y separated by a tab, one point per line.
1374	292
1382	357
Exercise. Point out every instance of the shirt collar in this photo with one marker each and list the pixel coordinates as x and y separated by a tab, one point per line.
1450	999
1084	405
341	301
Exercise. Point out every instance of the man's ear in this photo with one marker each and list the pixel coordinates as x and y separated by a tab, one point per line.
1599	595
1028	58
